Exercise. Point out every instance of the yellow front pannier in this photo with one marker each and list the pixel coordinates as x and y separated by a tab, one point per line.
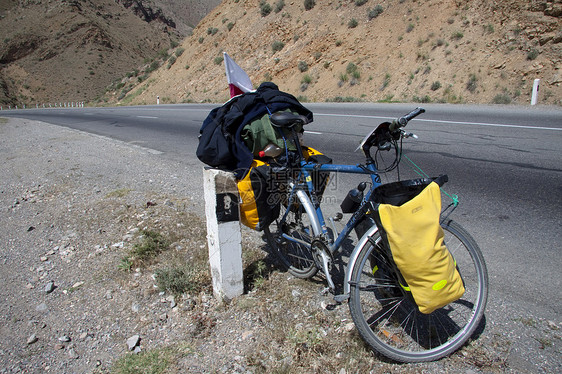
415	238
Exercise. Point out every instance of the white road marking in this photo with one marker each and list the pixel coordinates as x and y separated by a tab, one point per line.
447	122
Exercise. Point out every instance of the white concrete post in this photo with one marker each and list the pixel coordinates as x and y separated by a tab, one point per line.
535	95
157	100
223	233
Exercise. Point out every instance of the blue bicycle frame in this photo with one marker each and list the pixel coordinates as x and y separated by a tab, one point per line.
313	208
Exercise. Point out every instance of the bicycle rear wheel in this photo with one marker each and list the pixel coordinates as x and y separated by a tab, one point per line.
389	320
290	237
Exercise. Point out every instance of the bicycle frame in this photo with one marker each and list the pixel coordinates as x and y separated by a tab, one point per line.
316	215
317	218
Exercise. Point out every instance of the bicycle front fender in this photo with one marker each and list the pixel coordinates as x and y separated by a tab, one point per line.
353	259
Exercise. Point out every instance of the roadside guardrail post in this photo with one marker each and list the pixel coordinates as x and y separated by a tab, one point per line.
223	233
535	95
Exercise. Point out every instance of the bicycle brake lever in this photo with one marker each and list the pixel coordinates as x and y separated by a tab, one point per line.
408	134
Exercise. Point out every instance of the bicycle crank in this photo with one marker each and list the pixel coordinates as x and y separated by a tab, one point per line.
323	259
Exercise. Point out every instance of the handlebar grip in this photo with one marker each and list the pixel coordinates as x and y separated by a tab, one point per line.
414	113
403	121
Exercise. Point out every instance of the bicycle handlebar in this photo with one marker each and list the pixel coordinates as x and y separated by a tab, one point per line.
403	121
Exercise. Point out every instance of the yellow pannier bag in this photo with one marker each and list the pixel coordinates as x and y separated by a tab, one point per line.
259	201
415	238
260	190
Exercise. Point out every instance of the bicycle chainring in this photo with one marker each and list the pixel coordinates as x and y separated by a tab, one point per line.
318	247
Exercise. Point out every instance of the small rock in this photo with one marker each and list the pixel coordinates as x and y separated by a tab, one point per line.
50	287
59	346
72	354
77	285
32	339
64	339
83	336
133	341
349	327
41	307
552	325
43	258
137	349
135	307
247	334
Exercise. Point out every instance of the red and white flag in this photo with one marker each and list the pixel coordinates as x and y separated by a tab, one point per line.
238	81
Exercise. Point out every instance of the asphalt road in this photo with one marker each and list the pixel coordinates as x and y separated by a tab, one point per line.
503	162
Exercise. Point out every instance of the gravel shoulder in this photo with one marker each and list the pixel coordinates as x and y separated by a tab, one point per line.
72	206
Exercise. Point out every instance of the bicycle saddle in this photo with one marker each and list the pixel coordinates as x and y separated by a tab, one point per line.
287	119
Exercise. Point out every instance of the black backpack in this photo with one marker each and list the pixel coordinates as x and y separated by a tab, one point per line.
220	142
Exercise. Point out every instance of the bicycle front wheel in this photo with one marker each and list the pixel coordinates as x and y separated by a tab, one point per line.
290	237
390	322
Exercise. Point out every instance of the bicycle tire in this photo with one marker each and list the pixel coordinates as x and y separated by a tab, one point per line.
296	258
390	322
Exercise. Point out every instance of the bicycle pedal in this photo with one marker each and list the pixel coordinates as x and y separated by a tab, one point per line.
329	306
341	298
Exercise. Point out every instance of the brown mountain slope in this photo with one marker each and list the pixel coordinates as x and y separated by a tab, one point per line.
59	51
184	14
473	51
55	51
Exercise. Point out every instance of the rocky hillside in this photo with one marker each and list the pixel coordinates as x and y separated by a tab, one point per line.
183	15
72	50
458	51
